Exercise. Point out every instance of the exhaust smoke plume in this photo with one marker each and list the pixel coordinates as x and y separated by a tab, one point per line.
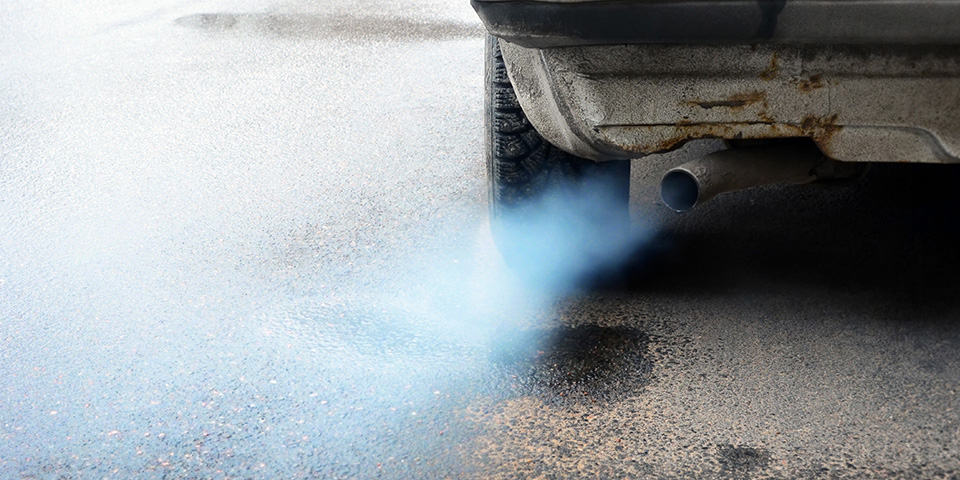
260	281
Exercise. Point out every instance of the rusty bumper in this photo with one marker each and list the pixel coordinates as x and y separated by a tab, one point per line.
859	103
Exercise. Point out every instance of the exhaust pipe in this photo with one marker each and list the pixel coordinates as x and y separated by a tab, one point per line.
696	182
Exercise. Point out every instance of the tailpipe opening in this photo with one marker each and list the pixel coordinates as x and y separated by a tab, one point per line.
696	182
679	190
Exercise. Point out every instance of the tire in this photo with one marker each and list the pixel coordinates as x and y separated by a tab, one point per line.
548	209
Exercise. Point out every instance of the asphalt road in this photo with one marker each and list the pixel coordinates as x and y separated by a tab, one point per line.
249	240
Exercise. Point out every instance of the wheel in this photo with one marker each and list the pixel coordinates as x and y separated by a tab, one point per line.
550	211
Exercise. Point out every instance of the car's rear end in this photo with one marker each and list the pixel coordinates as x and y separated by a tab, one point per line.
866	80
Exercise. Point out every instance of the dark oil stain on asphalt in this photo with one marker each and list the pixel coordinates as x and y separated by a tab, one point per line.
353	27
740	459
573	364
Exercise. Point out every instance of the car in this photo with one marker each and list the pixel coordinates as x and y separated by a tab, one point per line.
798	90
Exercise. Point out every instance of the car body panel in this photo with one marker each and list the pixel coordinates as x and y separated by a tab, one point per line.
553	23
889	99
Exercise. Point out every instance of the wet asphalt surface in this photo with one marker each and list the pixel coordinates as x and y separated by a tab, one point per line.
241	240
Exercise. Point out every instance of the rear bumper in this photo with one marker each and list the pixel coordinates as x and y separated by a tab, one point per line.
878	103
554	23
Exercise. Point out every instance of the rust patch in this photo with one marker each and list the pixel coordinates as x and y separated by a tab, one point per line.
675	142
764	116
682	133
664	138
772	70
739	100
808	85
821	129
